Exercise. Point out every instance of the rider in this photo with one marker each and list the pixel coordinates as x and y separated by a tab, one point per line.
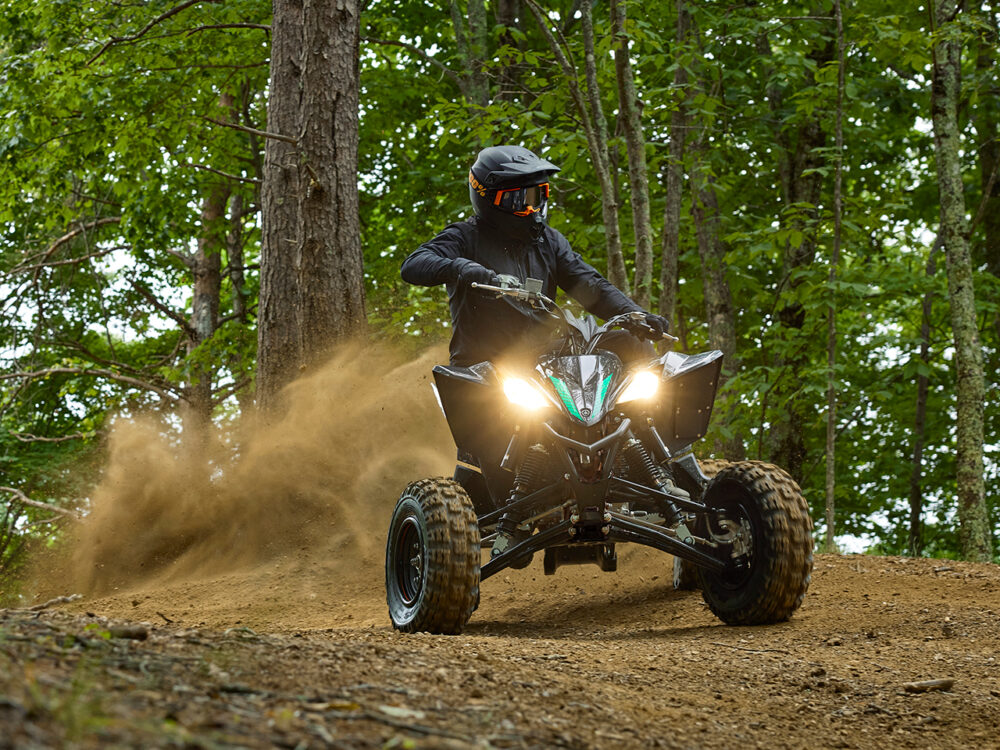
509	187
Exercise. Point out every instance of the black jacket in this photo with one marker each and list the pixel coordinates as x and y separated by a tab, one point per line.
484	328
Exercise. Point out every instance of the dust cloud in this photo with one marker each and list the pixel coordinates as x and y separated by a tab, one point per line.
321	479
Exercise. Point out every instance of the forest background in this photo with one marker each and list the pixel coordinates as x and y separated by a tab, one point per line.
810	186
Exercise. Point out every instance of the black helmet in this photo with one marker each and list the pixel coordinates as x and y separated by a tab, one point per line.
509	186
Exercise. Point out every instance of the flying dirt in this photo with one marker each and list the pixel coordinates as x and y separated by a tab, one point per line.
318	477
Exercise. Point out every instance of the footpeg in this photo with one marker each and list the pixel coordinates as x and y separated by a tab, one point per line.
684	533
669	488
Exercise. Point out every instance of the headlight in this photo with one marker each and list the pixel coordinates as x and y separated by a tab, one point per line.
644	385
524	394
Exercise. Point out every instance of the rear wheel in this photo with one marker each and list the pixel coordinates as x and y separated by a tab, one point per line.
432	558
760	511
686	573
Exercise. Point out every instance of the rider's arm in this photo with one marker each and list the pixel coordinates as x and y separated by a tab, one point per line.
437	261
584	284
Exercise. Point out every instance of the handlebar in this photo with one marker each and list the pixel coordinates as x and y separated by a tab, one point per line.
630	320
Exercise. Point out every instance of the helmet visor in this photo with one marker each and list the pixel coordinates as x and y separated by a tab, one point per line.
523	201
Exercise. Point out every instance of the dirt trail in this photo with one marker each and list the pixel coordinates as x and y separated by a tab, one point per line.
265	631
292	652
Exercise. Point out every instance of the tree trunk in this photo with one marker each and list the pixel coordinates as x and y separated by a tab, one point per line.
674	182
237	281
471	39
799	160
234	251
280	256
831	340
596	129
788	425
635	144
916	540
331	277
718	298
312	291
507	13
987	123
617	274
207	270
974	530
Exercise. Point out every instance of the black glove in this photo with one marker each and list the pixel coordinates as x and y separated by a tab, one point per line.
469	271
658	323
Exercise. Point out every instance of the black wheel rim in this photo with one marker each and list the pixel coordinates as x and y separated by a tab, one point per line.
409	557
738	571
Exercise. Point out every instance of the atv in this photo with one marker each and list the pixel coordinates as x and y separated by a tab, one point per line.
578	454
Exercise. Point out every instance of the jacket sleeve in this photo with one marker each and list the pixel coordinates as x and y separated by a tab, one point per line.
437	261
584	284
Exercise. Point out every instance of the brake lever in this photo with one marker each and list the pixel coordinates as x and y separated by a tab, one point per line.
503	292
670	338
638	319
490	288
519	294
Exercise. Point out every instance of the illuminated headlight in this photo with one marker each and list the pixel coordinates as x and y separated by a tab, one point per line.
524	394
643	385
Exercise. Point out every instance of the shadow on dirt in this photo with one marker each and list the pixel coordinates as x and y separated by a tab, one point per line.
607	613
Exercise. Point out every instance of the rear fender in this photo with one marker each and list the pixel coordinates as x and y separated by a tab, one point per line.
479	418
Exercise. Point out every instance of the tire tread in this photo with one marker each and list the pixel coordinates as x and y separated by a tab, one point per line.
452	560
788	545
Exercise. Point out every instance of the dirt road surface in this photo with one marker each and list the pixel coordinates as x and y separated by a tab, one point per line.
299	653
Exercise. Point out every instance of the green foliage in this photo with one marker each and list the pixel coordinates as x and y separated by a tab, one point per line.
119	139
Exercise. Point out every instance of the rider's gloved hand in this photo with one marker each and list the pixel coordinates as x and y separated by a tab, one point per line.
658	323
469	271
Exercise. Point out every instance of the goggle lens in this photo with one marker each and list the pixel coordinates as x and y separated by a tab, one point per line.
525	200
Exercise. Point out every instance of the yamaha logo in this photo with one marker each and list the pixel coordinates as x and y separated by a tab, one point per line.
585	413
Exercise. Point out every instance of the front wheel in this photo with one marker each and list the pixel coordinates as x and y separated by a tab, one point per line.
432	558
762	514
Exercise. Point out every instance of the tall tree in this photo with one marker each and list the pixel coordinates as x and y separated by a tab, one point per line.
800	141
591	113
831	340
673	183
472	41
974	532
916	496
312	291
635	146
719	308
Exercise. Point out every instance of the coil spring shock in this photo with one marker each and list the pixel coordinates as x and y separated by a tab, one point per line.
643	469
531	472
528	479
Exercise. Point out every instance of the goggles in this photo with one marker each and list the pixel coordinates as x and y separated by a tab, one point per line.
523	201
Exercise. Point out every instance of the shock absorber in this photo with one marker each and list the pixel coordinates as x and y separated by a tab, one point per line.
643	469
528	479
530	473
